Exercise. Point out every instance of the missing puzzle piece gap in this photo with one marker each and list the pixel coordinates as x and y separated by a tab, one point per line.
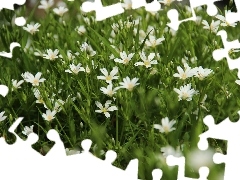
233	17
12	46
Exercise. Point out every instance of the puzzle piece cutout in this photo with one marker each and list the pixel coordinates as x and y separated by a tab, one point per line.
233	17
12	46
4	90
173	14
19	21
219	54
116	9
217	131
18	155
180	162
9	4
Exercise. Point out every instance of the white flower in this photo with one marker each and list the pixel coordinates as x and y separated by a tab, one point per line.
213	27
38	96
16	84
125	58
75	69
60	10
147	61
58	104
108	77
129	84
185	92
49	115
105	109
127	4
109	91
198	20
71	152
169	150
32	29
27	130
80	29
202	73
186	73
224	21
46	4
51	55
2	118
166	126
88	49
25	75
153	42
35	80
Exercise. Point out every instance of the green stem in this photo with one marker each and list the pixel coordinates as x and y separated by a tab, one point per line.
64	132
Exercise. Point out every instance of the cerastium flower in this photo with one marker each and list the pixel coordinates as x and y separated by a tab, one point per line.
166	127
106	108
185	92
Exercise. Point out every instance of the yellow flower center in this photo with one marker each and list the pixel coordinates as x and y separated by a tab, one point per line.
75	71
104	110
49	117
184	76
154	43
109	78
41	100
185	95
166	129
35	81
110	93
125	61
52	56
147	63
130	86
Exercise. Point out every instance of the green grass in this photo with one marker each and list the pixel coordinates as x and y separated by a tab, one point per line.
131	126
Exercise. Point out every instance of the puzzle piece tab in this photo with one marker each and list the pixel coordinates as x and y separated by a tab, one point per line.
12	46
173	14
180	162
233	17
217	131
4	90
9	4
224	53
19	21
116	9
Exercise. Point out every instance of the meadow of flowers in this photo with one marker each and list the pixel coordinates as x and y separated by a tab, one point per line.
129	83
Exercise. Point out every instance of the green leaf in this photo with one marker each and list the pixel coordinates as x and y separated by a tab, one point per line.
105	42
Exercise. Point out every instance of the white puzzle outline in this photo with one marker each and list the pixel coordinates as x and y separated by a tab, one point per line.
57	154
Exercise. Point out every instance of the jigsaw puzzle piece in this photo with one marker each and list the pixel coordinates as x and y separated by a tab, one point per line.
12	46
173	14
9	4
232	158
180	162
219	54
101	11
58	149
233	17
153	6
157	174
4	90
116	9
